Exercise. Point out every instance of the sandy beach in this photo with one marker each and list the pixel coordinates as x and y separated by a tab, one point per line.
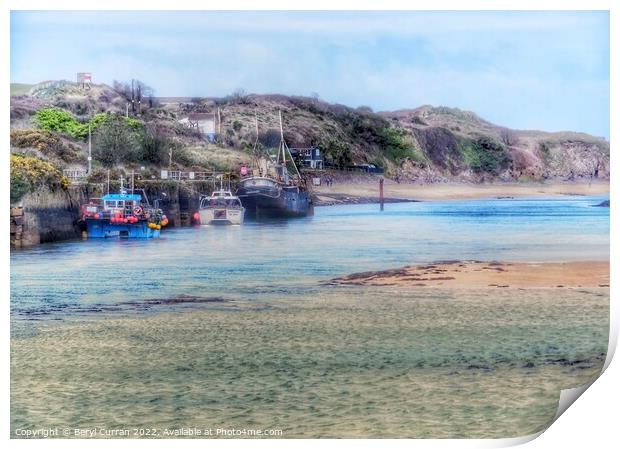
455	191
488	275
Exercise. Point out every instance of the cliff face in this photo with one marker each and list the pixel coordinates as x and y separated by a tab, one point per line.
461	144
426	144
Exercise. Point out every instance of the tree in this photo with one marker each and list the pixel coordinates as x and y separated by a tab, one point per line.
270	138
337	153
155	144
136	93
509	137
116	141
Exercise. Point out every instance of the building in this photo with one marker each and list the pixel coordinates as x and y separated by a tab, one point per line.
308	157
203	122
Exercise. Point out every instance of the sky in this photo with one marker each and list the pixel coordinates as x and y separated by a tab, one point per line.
524	70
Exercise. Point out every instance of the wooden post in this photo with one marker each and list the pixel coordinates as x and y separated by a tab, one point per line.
381	192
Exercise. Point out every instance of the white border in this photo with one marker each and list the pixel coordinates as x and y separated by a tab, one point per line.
592	420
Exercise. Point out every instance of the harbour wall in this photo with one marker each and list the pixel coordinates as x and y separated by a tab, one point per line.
50	216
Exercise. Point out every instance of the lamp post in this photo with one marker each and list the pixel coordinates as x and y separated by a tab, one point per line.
90	157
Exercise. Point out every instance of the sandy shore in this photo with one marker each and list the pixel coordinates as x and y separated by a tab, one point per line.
488	274
448	191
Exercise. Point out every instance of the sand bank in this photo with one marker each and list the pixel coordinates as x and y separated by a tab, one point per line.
449	191
488	274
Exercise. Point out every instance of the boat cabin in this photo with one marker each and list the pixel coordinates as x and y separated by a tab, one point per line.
221	199
124	203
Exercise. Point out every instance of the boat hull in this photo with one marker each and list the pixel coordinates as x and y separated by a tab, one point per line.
221	216
275	202
104	229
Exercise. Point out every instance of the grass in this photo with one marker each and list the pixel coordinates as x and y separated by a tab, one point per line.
20	89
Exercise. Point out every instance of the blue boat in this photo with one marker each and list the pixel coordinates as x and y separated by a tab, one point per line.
122	215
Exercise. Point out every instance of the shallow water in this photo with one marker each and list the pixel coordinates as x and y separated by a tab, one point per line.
207	327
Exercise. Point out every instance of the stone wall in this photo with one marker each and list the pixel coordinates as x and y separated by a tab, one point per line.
50	216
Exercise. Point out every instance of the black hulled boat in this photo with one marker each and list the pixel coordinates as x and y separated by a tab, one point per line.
274	192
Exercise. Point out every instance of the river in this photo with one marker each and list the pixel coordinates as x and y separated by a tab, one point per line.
232	326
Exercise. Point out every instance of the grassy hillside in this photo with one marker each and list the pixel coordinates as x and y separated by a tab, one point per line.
426	144
20	89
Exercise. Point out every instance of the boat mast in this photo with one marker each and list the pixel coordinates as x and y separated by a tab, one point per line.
284	148
281	140
108	181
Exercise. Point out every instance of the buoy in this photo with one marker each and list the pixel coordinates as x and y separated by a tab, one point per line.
158	227
197	216
97	216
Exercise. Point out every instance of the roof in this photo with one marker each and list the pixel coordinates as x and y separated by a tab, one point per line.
121	197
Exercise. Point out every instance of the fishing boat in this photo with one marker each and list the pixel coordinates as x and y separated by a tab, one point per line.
221	208
122	215
274	192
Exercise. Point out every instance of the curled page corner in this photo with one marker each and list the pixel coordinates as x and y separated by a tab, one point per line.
568	397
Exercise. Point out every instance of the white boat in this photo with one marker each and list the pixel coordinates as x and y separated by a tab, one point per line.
221	208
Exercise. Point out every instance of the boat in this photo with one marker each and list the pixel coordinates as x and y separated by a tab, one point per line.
274	192
122	215
221	208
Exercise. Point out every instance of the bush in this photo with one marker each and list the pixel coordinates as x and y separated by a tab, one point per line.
46	142
115	141
155	145
397	148
29	173
486	155
54	119
337	152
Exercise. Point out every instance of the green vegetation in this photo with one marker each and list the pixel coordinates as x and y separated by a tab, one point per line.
485	155
29	173
58	120
337	152
398	146
47	143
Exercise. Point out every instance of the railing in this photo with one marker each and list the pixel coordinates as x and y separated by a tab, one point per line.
176	175
75	175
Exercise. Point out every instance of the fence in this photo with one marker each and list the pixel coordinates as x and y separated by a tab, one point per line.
176	175
74	175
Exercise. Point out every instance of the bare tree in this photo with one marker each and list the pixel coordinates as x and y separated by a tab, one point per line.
136	93
509	137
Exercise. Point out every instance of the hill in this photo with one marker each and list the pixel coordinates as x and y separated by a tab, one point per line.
20	89
425	144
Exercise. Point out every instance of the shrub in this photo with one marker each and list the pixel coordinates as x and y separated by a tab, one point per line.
397	147
29	173
337	152
486	155
116	140
155	144
46	142
54	119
